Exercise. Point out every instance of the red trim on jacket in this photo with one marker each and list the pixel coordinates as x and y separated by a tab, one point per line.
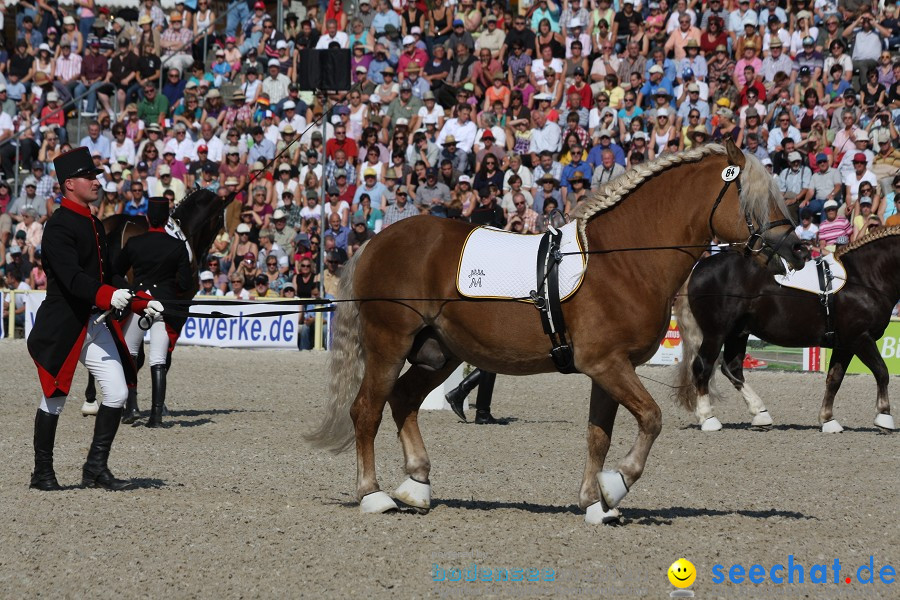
103	298
62	383
173	337
75	207
157	230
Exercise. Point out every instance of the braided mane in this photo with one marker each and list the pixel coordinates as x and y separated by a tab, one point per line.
758	186
880	233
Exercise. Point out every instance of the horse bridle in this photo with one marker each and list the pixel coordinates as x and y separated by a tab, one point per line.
756	233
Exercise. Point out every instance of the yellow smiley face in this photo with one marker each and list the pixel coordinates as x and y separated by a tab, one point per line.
682	573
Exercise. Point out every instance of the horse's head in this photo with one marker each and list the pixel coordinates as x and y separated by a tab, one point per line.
201	215
762	219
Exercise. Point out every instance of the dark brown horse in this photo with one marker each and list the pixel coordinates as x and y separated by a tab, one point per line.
616	319
729	297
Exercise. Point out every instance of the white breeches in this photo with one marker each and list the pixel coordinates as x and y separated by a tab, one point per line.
159	339
101	357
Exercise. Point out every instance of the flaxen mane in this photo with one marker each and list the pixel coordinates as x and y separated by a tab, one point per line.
758	187
881	232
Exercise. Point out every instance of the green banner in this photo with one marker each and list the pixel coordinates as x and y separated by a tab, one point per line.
888	345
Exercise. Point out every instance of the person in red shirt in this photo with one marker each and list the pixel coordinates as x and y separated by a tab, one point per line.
340	141
580	86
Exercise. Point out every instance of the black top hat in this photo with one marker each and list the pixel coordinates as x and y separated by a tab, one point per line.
75	163
158	211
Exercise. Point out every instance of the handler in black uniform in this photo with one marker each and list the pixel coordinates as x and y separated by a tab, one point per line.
69	326
485	382
162	269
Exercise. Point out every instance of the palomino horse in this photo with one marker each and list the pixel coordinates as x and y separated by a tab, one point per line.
407	308
729	297
200	217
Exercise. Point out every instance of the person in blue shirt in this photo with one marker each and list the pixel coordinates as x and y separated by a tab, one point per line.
136	206
668	65
576	165
378	64
654	86
595	156
384	16
96	143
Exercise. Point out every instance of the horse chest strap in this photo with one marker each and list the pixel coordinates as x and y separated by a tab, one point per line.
546	299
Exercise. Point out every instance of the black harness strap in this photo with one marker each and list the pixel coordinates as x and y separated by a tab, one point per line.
546	300
826	298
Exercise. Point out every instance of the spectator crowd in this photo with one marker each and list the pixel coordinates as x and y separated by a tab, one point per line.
492	113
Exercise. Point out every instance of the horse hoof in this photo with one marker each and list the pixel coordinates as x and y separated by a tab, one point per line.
376	502
885	422
413	493
761	419
612	487
596	514
711	424
89	409
831	426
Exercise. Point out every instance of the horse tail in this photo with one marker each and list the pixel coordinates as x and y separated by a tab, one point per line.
691	338
346	367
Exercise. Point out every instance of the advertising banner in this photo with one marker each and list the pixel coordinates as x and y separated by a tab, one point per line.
888	345
33	300
670	350
244	330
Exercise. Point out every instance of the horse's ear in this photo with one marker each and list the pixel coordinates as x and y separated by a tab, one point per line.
735	156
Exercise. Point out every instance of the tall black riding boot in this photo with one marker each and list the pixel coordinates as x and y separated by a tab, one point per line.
95	472
457	395
158	384
43	477
485	395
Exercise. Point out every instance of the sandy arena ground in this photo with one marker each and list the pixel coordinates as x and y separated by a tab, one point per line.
233	504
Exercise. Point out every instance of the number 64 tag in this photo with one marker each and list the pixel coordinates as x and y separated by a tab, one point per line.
730	173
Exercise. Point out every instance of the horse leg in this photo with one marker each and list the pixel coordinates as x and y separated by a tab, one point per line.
405	401
601	419
733	368
622	384
871	357
366	412
837	367
703	367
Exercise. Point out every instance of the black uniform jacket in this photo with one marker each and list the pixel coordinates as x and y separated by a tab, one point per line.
160	266
80	285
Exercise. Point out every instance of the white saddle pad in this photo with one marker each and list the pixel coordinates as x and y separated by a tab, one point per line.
807	278
499	264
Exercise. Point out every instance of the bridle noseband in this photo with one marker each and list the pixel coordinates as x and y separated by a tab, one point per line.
756	233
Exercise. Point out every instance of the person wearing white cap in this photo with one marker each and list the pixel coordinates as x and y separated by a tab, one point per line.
794	183
332	35
411	54
492	37
276	83
575	11
207	285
